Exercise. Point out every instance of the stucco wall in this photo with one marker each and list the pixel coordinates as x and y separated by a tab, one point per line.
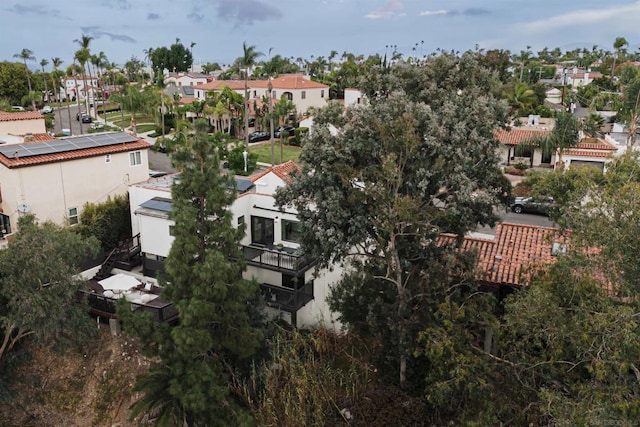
50	190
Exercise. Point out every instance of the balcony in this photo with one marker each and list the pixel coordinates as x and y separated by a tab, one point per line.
287	299
285	260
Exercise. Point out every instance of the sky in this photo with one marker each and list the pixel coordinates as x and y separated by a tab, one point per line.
301	28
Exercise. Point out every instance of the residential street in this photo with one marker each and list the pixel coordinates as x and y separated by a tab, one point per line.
61	119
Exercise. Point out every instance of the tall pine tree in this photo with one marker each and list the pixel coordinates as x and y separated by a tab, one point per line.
204	269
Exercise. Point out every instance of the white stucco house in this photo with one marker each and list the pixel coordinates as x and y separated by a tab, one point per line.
53	179
84	85
186	79
287	281
590	151
354	97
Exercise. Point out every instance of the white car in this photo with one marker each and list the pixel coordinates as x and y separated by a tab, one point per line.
46	109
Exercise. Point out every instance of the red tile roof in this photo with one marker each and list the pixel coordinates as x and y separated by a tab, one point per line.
39	137
515	249
596	144
282	171
289	81
585	153
20	115
73	155
517	135
282	82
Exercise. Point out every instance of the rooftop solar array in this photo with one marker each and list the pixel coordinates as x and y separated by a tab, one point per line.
243	184
158	204
64	145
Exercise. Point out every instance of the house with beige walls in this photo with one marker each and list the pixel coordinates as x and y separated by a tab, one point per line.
304	93
21	123
290	286
54	179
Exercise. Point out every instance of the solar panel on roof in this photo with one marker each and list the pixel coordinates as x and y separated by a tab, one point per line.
243	184
158	204
64	145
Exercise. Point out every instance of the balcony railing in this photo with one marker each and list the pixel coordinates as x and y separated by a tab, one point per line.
279	259
287	299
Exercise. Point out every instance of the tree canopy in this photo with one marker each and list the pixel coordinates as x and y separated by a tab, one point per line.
39	284
175	58
419	161
216	306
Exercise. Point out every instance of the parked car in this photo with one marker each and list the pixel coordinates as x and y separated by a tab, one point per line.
47	109
259	136
17	108
86	118
79	115
279	132
542	205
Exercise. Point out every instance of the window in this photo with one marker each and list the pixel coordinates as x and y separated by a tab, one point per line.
303	94
240	221
107	158
291	231
261	230
73	216
273	93
322	93
255	93
135	158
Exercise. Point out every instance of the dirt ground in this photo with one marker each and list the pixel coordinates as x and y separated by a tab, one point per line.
89	388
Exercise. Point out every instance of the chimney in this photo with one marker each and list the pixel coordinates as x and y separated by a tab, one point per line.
28	137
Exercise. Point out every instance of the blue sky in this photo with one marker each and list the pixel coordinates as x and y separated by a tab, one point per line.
301	28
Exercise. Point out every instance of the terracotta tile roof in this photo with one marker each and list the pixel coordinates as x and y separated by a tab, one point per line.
19	115
289	81
187	100
282	82
517	135
39	137
585	153
596	144
282	171
507	259
73	155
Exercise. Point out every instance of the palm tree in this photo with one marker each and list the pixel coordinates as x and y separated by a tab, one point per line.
521	98
57	62
247	60
619	44
565	134
25	55
282	110
191	47
44	63
83	55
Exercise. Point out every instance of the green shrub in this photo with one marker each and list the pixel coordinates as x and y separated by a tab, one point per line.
108	108
299	133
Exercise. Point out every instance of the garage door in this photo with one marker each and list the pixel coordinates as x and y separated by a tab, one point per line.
586	164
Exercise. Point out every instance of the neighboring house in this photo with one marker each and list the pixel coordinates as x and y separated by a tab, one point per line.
20	127
581	78
186	79
354	97
510	139
304	93
596	152
507	261
54	179
72	85
287	281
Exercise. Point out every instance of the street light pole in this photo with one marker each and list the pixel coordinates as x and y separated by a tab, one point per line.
273	155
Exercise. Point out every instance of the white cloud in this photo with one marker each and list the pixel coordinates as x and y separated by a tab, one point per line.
388	10
582	17
433	12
